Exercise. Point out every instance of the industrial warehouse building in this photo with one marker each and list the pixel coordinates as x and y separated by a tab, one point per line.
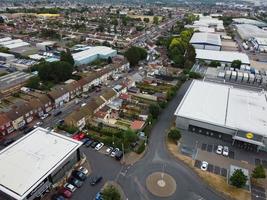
247	31
12	44
29	166
92	54
260	43
6	56
208	41
224	57
221	111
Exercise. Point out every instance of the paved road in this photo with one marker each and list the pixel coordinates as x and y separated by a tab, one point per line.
132	178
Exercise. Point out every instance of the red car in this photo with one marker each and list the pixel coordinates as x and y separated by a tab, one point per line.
78	136
65	193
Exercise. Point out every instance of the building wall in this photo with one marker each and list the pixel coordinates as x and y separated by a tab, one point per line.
208	47
184	123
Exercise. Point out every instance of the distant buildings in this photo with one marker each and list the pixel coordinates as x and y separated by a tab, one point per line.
92	54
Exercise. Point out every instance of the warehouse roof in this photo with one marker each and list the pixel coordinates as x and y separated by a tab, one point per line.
98	50
261	41
249	21
247	31
206	38
225	106
223	56
27	162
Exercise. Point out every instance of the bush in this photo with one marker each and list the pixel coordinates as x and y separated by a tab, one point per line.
154	110
69	129
195	75
258	172
238	178
174	134
141	148
111	193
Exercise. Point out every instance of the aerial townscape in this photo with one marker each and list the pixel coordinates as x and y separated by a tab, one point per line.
133	100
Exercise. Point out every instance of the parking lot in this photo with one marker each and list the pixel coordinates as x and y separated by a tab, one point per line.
212	148
212	168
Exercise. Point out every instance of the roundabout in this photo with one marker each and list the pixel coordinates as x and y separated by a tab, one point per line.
161	184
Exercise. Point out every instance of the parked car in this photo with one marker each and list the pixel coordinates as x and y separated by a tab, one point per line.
57	113
65	192
88	143
8	142
61	122
78	136
70	187
27	130
44	116
79	175
113	153
83	170
204	166
98	196
93	145
37	124
118	155
109	150
219	149
84	140
57	197
83	104
225	151
99	146
76	182
95	180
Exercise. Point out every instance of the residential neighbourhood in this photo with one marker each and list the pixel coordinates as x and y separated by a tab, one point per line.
133	100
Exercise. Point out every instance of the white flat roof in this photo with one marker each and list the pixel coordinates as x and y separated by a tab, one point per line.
206	38
261	41
98	50
27	162
223	56
225	106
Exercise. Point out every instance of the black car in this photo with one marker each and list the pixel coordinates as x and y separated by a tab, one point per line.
76	182
8	142
93	145
84	140
57	113
22	128
57	197
79	175
95	180
118	155
88	143
27	130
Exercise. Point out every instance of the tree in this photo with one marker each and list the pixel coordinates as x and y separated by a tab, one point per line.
258	172
33	82
238	178
154	110
146	20
114	22
236	64
195	75
101	27
214	63
156	20
135	54
55	71
111	193
67	57
174	134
